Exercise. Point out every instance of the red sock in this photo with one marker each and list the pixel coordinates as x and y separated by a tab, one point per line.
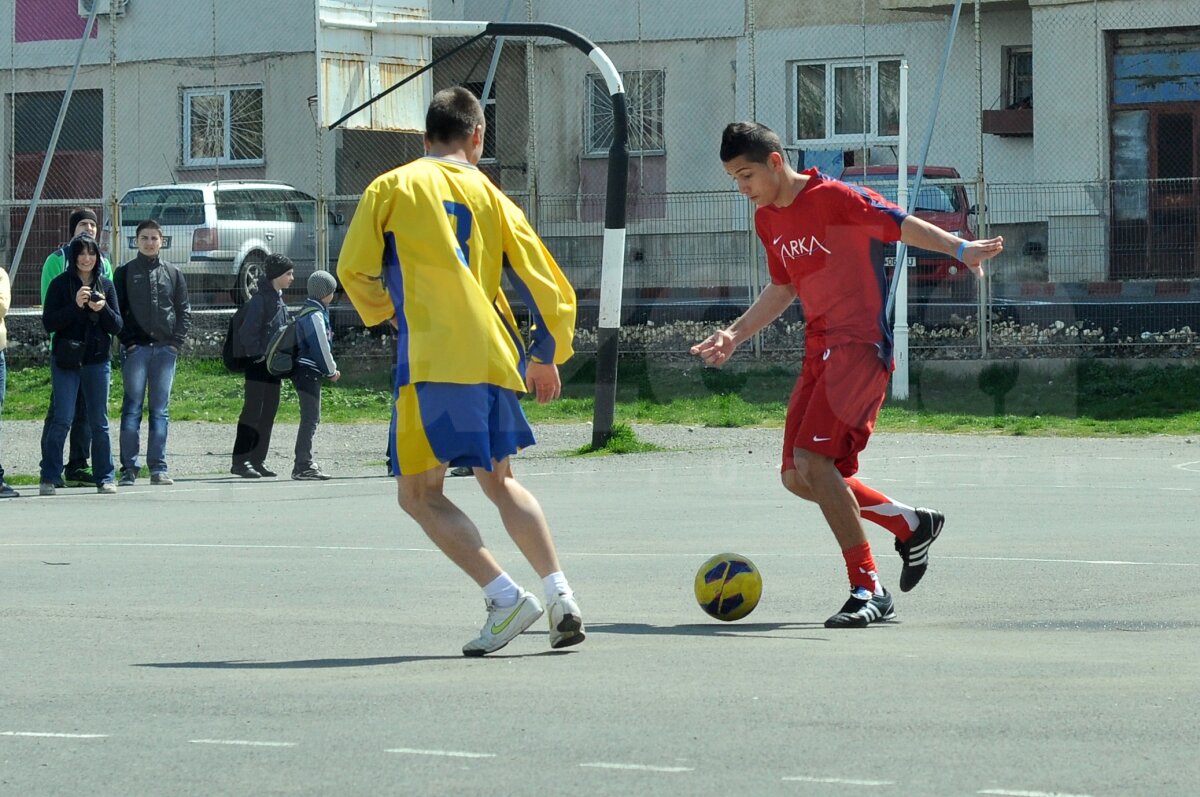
881	510
860	566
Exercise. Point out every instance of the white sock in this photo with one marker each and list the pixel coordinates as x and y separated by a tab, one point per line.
556	584
502	591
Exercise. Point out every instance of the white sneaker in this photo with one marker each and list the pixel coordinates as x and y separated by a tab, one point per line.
566	623
504	625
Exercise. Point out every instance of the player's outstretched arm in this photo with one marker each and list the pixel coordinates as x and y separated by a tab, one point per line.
718	347
920	233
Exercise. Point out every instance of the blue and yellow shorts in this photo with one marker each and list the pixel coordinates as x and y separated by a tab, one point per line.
437	423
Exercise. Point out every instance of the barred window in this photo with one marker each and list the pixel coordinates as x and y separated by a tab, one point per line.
223	125
644	97
846	100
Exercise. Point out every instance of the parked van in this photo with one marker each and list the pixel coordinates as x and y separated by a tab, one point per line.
942	202
219	233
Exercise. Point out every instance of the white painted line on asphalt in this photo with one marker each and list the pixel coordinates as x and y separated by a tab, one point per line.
842	781
1189	466
636	767
1019	793
55	735
445	753
242	742
605	554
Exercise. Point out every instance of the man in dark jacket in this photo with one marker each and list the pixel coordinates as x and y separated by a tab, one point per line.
153	298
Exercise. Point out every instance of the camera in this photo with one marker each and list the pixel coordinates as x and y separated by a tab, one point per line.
95	295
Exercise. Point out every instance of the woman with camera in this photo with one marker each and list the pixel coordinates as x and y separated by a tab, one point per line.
81	314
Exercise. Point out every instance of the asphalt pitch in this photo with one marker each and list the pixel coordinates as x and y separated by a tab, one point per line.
220	637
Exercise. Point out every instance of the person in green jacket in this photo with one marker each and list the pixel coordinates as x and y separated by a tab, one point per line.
83	221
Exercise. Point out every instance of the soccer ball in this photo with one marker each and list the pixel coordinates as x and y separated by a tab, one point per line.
728	586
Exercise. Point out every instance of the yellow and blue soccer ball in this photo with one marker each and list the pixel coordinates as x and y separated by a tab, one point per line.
728	586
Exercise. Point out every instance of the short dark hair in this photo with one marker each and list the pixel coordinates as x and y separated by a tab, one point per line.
751	139
148	224
453	115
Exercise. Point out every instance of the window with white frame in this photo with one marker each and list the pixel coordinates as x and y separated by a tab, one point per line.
223	125
845	100
644	96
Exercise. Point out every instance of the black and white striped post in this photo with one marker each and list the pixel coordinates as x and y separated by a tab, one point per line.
612	267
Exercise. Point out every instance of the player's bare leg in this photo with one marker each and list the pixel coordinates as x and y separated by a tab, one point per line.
521	515
818	476
525	522
421	496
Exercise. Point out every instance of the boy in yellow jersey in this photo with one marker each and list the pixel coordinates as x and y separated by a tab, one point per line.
426	250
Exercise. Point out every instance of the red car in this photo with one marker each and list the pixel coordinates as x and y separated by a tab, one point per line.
943	203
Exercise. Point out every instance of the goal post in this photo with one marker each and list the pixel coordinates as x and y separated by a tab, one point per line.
612	265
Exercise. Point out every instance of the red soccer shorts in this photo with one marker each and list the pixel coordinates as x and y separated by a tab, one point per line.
835	402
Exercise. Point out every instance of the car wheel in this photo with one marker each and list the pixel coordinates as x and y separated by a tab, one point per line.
248	278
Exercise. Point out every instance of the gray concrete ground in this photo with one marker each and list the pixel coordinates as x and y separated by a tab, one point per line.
277	637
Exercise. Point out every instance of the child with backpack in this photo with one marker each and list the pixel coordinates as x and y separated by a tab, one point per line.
314	362
264	314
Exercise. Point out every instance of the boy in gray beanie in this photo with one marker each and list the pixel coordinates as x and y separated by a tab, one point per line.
314	361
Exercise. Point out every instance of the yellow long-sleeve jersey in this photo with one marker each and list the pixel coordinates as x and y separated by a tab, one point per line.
428	244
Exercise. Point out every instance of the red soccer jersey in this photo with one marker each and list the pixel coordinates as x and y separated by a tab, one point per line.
828	245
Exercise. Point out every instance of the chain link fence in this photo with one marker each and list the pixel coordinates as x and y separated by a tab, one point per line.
1071	128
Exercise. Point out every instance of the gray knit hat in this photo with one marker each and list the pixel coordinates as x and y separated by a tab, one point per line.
321	284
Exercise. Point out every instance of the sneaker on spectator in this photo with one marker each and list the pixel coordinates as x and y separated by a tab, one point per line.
566	622
462	470
108	488
859	612
312	473
8	492
46	488
504	625
81	477
128	477
263	470
245	470
161	479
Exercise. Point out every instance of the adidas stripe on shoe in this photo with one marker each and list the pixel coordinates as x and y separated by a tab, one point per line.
915	552
861	612
504	625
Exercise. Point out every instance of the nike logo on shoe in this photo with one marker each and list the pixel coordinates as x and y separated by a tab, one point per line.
498	628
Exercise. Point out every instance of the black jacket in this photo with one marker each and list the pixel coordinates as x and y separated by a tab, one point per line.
62	317
154	302
264	313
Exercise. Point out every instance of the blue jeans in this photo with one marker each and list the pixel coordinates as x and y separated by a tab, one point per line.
93	381
146	366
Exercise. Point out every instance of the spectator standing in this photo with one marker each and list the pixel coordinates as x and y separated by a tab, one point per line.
83	221
153	298
82	313
5	300
314	362
265	313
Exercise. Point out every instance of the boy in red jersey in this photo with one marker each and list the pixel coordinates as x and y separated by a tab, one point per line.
819	233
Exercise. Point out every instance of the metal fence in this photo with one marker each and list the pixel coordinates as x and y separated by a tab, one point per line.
213	117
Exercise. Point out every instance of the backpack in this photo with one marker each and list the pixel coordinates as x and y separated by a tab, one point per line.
235	363
283	347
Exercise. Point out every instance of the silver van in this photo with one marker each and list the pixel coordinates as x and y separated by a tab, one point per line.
220	233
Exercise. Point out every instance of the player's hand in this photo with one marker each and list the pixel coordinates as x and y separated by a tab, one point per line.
716	349
976	252
543	381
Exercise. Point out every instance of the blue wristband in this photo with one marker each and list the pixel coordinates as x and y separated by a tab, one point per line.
961	248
